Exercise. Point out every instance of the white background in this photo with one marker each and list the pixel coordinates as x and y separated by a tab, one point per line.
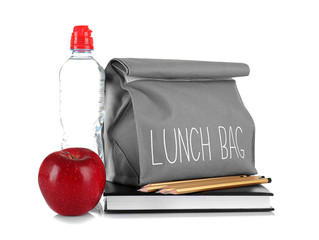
278	39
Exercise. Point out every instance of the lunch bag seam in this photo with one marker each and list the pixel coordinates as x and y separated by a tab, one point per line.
126	158
251	118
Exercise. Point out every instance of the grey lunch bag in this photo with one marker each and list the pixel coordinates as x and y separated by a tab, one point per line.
169	120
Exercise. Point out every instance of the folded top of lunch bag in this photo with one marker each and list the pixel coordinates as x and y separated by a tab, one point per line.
162	69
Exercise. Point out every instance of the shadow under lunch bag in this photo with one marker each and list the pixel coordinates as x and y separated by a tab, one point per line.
171	120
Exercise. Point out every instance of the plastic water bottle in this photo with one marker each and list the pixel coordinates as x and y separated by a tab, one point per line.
82	84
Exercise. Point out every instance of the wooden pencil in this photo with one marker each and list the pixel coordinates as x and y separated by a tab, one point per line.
168	188
216	186
155	186
193	180
158	186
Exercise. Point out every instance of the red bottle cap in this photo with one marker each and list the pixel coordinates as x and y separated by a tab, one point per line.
81	38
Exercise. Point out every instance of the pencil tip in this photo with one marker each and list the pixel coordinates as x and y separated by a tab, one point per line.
143	189
269	180
162	191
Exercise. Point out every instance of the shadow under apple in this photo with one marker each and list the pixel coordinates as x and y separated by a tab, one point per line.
74	219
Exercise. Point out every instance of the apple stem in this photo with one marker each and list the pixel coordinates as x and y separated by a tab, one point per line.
69	154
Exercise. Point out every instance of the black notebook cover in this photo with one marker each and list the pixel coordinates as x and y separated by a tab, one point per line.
117	190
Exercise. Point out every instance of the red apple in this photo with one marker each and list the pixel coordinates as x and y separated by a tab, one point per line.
72	180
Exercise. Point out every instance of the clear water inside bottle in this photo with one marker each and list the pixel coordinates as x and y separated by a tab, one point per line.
82	82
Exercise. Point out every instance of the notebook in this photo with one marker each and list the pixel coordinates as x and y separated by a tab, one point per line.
120	198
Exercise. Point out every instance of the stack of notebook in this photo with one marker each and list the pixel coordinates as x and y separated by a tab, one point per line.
120	198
